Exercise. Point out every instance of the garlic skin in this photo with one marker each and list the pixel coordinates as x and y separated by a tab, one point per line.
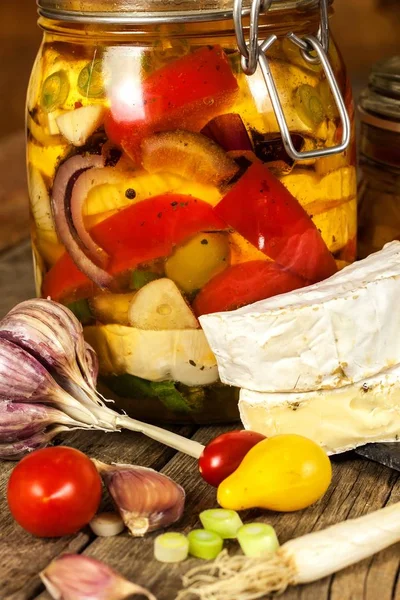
92	365
19	421
24	379
78	577
20	448
54	336
146	499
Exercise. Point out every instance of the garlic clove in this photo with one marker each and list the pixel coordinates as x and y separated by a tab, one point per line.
19	421
146	499
107	524
85	355
77	577
106	417
24	379
53	335
19	449
92	363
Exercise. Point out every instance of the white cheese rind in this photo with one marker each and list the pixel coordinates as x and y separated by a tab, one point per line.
327	335
338	420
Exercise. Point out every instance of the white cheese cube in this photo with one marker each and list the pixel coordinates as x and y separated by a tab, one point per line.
327	335
338	420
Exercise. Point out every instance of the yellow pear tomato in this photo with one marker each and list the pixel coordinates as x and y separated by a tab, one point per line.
284	473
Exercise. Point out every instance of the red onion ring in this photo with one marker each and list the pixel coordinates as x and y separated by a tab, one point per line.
85	182
62	219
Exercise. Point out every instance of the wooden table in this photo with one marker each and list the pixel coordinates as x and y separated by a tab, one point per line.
358	486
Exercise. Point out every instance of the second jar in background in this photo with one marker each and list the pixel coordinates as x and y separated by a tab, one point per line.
379	194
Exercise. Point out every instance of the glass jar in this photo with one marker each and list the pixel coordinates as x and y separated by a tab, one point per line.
379	195
155	170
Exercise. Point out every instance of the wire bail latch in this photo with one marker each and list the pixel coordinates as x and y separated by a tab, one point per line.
313	49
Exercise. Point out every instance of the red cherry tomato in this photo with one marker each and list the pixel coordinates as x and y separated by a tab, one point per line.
54	491
222	456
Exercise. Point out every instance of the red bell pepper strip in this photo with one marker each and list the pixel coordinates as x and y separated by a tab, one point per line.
243	284
264	212
137	234
184	94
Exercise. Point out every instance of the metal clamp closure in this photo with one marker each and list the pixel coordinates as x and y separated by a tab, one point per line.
313	49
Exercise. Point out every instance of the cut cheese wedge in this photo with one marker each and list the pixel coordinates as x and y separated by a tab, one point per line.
338	420
175	355
327	335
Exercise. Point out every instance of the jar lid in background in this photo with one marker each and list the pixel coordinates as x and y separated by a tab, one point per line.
380	101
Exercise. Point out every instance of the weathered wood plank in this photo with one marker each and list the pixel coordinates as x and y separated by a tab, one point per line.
20	38
354	492
23	556
133	557
16	277
14	212
374	577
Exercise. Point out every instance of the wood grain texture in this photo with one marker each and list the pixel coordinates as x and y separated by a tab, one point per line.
19	42
16	277
358	487
14	211
25	555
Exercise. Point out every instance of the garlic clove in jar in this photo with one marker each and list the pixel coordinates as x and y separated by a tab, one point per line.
146	499
74	577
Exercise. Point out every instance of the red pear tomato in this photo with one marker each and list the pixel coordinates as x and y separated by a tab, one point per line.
222	456
54	491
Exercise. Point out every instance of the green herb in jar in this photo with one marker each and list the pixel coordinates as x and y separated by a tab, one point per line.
81	310
308	105
55	91
90	80
141	278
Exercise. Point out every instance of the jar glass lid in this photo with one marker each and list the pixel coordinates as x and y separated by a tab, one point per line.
146	11
382	96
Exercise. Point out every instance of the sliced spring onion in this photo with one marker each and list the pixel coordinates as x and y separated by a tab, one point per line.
107	524
222	521
141	278
308	105
90	80
55	91
204	544
171	547
257	539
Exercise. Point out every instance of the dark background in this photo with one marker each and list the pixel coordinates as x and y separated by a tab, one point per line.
366	30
